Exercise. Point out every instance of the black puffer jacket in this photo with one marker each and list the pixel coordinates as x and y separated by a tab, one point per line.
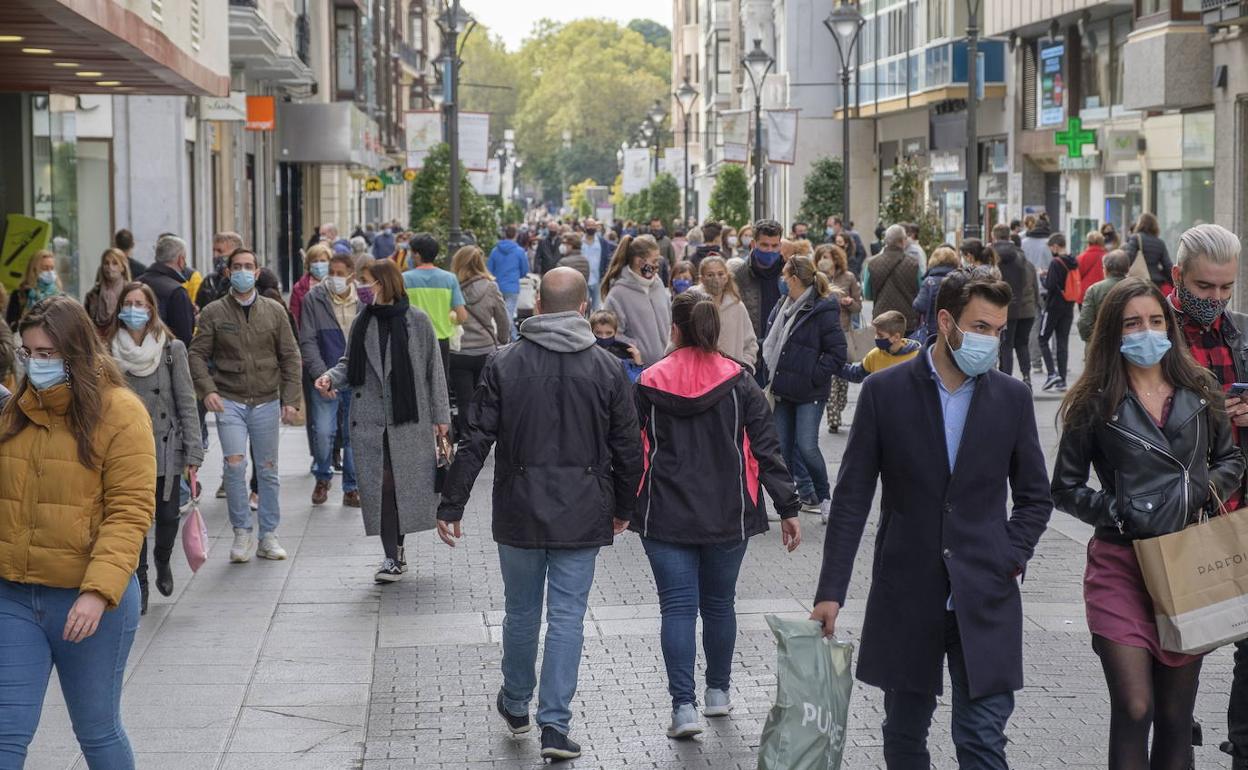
1154	481
568	458
813	354
709	440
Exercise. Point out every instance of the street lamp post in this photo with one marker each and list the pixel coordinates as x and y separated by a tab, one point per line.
454	23
970	224
648	132
845	23
758	64
684	99
656	115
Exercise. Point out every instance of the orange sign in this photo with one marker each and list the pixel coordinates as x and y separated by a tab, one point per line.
261	113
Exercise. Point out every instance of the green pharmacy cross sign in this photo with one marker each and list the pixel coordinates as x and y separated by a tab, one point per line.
1075	137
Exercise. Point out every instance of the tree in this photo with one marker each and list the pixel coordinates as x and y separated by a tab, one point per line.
730	198
489	81
430	203
821	193
578	201
907	202
655	33
664	199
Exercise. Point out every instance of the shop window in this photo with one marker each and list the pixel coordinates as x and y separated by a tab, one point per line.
1160	11
1182	199
346	53
1096	66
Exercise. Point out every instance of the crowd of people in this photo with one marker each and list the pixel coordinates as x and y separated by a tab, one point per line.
628	378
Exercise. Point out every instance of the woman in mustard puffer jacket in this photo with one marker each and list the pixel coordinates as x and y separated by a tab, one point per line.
79	467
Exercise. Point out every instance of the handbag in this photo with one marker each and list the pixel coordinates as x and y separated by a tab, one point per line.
1198	580
860	342
1139	267
194	532
443	454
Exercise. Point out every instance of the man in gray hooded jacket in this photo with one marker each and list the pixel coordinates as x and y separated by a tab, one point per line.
560	410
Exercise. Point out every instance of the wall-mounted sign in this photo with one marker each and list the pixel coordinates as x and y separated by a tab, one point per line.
1052	90
1084	163
1075	138
374	184
409	174
261	113
945	166
231	108
1122	145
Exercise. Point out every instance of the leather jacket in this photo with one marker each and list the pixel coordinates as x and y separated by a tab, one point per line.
1153	481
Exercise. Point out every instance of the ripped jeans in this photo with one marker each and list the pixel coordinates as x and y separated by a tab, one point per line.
261	424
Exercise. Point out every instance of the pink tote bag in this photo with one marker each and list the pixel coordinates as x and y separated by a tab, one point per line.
194	533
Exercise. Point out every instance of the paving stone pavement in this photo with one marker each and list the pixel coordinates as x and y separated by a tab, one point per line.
307	664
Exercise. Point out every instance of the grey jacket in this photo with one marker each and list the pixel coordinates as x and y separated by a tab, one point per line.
488	326
169	397
411	445
645	314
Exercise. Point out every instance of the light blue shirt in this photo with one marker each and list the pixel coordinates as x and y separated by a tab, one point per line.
592	250
954	408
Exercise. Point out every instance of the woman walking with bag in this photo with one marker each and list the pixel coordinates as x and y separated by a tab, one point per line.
1152	424
79	479
155	365
487	328
710	441
1146	241
394	429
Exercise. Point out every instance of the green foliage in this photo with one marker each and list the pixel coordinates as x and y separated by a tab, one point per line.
664	199
730	198
907	202
655	33
578	202
821	193
513	213
430	203
489	82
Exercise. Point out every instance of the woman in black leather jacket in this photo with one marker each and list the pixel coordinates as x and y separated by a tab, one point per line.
1152	424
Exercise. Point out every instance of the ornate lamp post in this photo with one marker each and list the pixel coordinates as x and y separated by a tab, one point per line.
845	23
758	64
455	23
685	96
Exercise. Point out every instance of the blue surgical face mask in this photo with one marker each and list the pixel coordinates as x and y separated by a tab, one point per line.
765	258
978	352
829	231
1145	348
319	270
134	318
243	281
680	285
883	344
47	277
45	373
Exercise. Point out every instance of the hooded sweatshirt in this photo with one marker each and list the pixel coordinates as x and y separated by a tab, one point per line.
708	441
645	312
509	263
559	332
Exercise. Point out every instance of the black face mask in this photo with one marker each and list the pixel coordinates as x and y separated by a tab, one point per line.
658	232
648	271
591	232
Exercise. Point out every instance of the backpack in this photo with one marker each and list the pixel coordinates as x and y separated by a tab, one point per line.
1073	290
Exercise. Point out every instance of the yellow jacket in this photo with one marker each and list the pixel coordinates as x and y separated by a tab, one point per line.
192	285
61	524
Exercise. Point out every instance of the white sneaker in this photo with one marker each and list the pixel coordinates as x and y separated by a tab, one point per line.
685	722
825	511
240	551
716	703
270	548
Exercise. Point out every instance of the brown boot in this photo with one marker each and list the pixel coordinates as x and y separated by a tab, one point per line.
351	499
320	493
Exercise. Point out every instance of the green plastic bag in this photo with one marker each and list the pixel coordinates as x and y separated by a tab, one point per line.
805	729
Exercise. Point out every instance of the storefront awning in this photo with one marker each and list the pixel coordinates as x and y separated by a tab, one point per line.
333	133
110	47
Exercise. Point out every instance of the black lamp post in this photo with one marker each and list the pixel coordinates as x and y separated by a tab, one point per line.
685	96
454	23
758	64
656	115
970	223
845	23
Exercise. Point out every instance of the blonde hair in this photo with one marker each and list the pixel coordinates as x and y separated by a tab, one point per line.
32	270
834	254
469	263
730	288
628	249
118	256
314	254
943	256
1095	238
803	268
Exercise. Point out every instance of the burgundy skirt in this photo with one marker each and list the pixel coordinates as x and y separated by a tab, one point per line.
1117	602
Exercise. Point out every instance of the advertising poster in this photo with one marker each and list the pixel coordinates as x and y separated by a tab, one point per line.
1052	90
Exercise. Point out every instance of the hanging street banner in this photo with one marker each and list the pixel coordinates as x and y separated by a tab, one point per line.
474	140
781	136
637	171
489	182
424	130
674	163
735	125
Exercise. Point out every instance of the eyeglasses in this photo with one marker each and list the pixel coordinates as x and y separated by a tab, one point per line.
24	354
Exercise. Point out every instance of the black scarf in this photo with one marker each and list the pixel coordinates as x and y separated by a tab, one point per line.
402	381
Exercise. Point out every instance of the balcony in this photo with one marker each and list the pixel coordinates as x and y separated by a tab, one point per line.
1216	13
261	51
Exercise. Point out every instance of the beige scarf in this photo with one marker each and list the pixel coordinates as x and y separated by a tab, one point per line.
138	360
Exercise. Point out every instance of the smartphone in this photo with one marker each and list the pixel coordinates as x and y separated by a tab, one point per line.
1238	389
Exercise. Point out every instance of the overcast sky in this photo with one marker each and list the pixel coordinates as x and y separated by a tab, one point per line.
513	19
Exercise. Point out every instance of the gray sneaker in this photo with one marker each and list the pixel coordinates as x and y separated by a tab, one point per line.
716	703
685	722
270	548
240	550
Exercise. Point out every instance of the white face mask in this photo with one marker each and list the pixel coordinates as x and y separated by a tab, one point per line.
563	248
732	241
337	284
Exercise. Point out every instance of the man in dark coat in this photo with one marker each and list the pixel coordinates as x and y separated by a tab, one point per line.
560	408
166	276
948	552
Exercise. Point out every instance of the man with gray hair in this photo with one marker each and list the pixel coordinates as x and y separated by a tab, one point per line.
890	279
560	493
1115	264
166	276
1207	264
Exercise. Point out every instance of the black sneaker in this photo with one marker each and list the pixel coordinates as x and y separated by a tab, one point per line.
517	725
390	572
1050	382
1060	385
557	746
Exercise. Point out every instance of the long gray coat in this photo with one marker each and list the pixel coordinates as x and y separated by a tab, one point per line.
169	396
412	451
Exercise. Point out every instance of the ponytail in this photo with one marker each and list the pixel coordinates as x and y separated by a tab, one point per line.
803	267
626	250
697	318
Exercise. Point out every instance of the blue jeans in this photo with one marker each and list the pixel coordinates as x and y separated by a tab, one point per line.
693	579
32	620
510	300
565	576
978	725
325	413
262	425
798	426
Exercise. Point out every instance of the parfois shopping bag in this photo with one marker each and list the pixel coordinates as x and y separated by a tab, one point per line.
1198	580
805	729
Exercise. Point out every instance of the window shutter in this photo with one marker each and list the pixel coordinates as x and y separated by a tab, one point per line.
1029	86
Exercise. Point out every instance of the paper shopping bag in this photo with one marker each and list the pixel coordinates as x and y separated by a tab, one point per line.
1198	580
805	729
